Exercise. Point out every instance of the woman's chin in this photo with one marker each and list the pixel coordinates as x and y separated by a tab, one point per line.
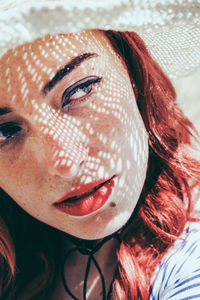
103	230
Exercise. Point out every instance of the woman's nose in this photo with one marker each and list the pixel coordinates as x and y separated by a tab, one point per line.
64	156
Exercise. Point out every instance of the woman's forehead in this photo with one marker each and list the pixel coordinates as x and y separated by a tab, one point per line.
28	67
52	51
68	43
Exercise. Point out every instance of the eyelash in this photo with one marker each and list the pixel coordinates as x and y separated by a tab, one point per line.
10	131
87	82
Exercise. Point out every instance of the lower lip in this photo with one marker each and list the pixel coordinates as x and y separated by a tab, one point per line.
85	206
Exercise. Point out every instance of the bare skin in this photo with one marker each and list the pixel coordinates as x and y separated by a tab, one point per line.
50	143
75	268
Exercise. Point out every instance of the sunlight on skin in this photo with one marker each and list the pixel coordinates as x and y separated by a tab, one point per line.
60	148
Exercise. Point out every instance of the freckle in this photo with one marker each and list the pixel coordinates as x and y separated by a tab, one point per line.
112	204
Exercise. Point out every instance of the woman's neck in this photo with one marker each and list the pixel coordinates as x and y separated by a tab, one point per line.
76	262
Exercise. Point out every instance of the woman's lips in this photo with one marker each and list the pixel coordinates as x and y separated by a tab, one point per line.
87	198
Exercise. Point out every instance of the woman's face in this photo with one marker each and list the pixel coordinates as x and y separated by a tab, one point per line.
71	132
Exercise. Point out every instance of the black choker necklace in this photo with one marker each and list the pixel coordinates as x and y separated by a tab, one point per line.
88	247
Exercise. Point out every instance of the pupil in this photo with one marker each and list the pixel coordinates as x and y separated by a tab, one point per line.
10	130
87	89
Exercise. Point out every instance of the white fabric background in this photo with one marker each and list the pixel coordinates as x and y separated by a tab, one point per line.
188	95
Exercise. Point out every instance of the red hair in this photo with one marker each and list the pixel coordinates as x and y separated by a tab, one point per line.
159	218
173	171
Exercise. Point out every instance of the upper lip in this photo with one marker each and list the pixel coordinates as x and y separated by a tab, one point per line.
83	191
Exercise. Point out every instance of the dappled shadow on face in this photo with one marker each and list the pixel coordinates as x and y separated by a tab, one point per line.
87	127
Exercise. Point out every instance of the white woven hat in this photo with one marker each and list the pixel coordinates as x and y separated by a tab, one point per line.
170	28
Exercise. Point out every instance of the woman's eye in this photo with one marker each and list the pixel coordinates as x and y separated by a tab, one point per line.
78	91
8	131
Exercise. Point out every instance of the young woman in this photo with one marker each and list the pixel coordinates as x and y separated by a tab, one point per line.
99	173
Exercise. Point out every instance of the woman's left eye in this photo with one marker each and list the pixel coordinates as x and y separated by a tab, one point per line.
78	91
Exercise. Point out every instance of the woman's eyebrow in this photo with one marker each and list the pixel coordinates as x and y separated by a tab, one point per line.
4	110
75	62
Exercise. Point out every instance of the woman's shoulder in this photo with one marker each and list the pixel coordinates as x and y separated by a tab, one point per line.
178	274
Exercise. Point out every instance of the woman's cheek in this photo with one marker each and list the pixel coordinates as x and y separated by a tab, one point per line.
18	169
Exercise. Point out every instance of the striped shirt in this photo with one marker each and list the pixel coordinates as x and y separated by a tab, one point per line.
177	277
